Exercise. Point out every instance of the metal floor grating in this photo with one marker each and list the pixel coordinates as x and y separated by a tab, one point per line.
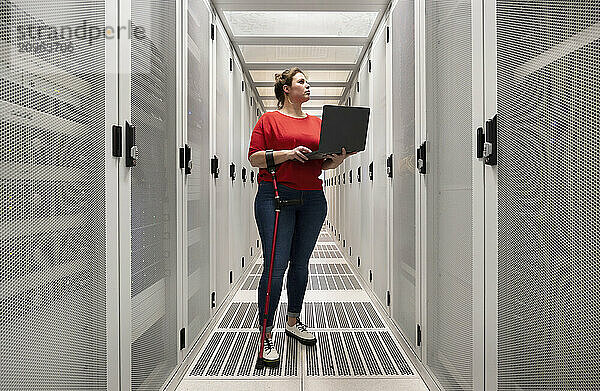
371	353
314	268
322	282
234	354
322	276
325	237
318	315
353	340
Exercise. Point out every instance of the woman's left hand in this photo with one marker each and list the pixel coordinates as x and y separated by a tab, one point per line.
337	159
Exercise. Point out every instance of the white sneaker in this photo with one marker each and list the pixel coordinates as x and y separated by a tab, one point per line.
270	354
299	332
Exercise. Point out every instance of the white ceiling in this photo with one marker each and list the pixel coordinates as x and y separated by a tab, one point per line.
326	39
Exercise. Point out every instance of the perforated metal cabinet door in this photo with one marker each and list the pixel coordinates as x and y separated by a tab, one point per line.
403	289
449	192
336	203
253	186
223	181
55	168
343	207
235	194
247	206
353	204
154	196
198	182
366	209
380	189
548	207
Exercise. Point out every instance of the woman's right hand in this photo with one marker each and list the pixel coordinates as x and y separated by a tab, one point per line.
298	153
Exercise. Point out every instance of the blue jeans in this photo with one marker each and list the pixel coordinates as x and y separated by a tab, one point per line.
297	233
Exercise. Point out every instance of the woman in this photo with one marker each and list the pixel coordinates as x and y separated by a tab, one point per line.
290	133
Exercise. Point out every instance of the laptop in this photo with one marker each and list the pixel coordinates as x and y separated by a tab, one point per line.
342	126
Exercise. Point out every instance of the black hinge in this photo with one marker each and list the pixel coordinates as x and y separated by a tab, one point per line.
212	31
252	176
257	243
232	171
213	300
480	142
387	38
182	339
388	298
243	260
131	150
422	158
369	66
358	174
358	261
357	86
370	275
491	141
251	250
231	276
251	101
349	102
230	64
185	159
350	250
257	112
371	171
344	242
390	166
350	176
344	178
243	86
117	141
418	335
214	166
244	174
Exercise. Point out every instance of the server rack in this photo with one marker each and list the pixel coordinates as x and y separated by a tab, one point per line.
57	300
542	79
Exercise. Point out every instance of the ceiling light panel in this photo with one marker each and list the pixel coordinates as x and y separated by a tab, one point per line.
269	76
300	24
329	91
291	53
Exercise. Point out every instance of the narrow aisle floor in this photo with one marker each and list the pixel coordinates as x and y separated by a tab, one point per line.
355	350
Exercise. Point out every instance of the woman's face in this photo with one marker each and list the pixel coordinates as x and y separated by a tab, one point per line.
299	92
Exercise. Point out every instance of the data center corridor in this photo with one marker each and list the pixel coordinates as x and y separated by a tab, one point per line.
356	350
460	246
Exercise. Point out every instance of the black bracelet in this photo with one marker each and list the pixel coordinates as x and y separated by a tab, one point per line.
270	159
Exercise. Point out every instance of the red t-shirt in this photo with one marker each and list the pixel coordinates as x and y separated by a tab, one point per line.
278	131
